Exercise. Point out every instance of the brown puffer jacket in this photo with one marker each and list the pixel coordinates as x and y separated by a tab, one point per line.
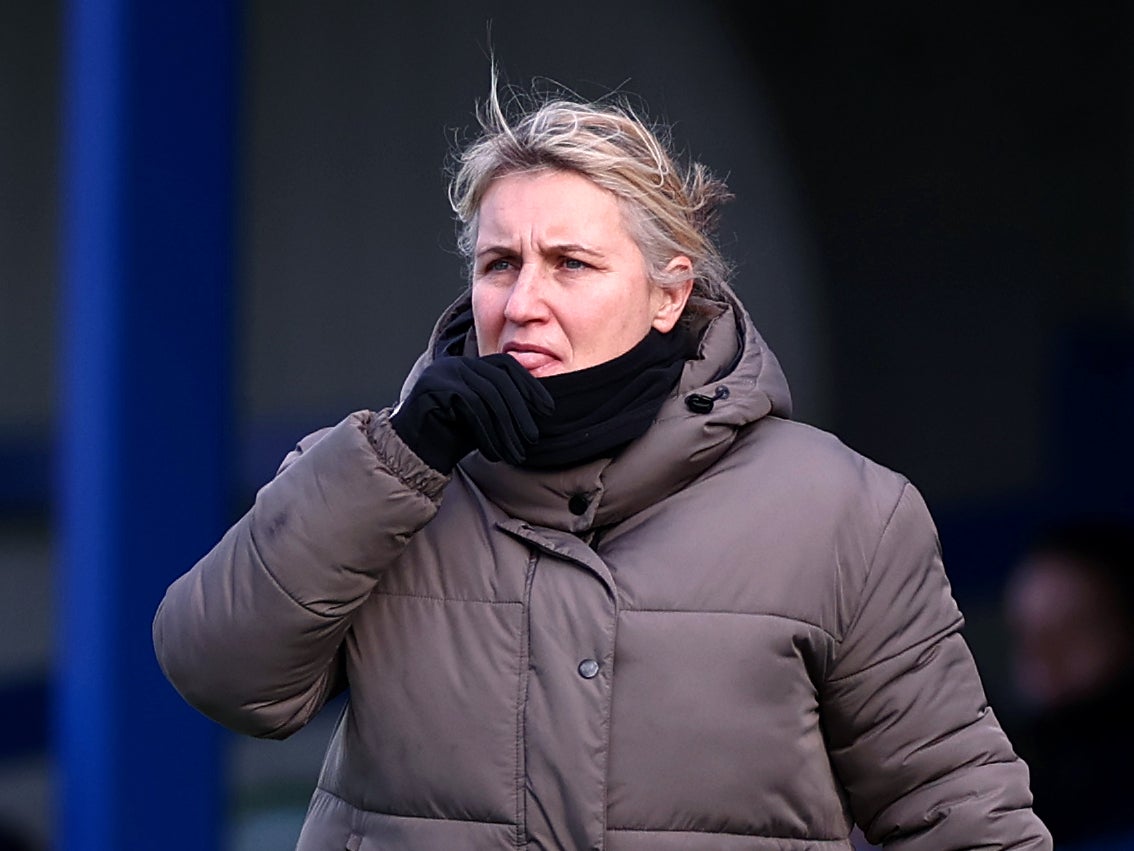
735	635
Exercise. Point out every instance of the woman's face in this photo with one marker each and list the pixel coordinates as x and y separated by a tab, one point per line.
558	283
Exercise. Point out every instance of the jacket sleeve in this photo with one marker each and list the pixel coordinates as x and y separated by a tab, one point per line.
912	737
250	635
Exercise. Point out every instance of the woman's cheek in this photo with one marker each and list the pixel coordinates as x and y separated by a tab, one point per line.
487	319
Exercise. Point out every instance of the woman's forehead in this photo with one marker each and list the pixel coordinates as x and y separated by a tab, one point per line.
549	207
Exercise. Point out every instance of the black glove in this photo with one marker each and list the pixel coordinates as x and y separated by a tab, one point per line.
460	404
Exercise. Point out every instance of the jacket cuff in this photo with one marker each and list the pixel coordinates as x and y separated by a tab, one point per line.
399	459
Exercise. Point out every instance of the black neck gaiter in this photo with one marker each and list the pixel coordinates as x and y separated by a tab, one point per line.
600	409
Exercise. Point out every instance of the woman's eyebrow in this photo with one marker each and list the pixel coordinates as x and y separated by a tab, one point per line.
495	249
573	248
556	248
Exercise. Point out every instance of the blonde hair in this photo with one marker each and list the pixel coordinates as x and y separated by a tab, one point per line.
669	209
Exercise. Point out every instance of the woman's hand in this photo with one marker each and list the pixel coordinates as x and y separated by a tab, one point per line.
462	403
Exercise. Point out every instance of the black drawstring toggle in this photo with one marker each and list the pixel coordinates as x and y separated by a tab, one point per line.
699	403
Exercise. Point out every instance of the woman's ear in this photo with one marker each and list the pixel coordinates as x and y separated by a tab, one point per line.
670	299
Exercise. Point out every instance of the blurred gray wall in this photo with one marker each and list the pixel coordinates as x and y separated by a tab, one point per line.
29	136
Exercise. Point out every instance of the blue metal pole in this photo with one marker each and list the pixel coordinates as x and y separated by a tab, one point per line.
148	163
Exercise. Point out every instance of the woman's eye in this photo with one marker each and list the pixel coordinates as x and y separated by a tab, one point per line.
574	263
499	265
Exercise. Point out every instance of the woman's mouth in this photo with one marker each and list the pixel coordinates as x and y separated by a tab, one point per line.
535	359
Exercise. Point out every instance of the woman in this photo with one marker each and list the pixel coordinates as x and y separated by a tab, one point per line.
588	585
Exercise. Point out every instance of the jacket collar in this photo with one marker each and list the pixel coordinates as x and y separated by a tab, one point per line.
732	359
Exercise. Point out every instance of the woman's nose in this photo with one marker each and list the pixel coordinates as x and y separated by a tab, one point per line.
526	299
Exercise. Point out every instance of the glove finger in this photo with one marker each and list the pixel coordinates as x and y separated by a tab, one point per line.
533	392
482	433
474	419
492	418
510	395
459	395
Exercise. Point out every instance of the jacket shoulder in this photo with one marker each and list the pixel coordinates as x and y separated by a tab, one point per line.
814	472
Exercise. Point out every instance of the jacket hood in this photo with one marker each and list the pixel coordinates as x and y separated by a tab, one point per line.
733	367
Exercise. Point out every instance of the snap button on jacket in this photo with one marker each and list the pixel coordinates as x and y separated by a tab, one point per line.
736	634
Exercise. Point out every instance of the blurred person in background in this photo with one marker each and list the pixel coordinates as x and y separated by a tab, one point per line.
588	585
1070	610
